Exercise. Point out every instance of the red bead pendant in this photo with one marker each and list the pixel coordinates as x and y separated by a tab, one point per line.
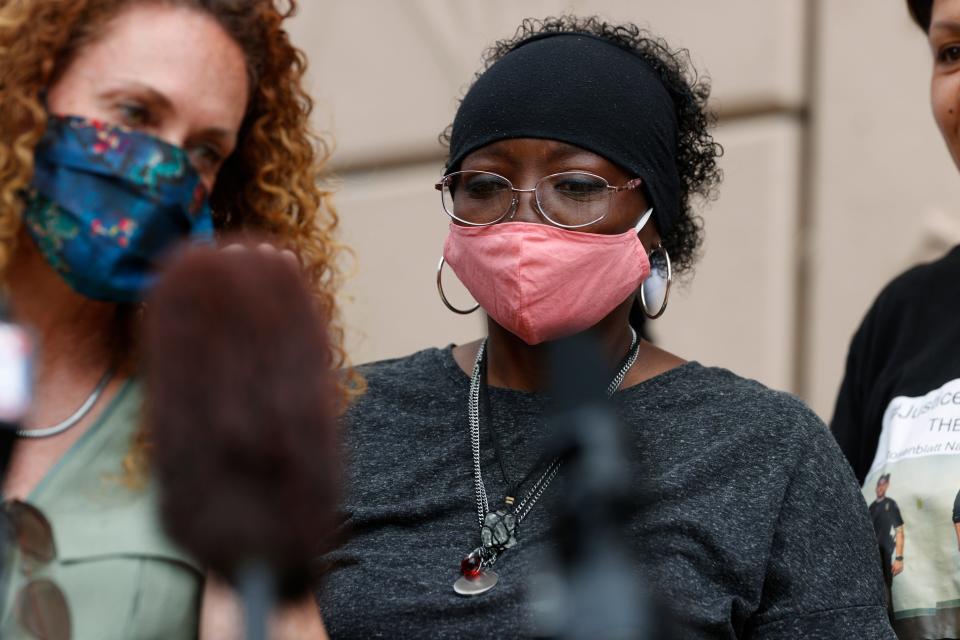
470	566
475	579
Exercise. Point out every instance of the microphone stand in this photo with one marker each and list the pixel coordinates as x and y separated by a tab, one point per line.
256	584
15	382
16	350
594	591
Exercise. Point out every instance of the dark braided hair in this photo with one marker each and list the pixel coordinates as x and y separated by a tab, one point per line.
697	152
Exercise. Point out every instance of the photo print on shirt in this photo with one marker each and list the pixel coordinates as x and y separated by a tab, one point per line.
916	453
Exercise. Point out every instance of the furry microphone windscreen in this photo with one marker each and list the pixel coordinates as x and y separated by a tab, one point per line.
240	403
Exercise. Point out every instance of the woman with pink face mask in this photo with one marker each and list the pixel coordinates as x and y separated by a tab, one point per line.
573	160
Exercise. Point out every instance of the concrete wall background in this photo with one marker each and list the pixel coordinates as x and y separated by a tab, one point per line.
835	176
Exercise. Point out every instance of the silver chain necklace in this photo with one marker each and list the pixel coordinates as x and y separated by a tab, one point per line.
498	529
77	416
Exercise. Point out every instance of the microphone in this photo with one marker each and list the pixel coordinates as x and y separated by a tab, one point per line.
16	381
16	394
240	404
593	590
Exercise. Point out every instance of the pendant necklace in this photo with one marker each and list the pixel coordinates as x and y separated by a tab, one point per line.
498	529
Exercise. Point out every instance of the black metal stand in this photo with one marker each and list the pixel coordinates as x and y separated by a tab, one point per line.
257	587
596	587
8	437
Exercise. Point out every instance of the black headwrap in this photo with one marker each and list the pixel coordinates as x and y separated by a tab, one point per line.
585	91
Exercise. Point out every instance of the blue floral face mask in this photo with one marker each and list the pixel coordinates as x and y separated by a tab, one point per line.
107	203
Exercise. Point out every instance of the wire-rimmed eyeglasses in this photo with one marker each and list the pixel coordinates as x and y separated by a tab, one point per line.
570	199
40	606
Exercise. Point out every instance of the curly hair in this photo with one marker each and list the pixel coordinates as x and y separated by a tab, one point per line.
697	153
270	185
922	12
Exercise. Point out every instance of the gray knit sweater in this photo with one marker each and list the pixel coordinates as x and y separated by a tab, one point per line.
754	525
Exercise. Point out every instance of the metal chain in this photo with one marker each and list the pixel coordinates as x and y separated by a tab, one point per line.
77	416
473	413
534	494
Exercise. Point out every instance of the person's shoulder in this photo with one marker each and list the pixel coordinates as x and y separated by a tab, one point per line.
919	281
419	360
426	370
713	402
744	420
722	391
902	301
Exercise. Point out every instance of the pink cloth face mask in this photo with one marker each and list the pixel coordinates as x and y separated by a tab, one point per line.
542	282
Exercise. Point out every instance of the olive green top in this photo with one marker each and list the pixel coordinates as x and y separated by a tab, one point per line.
123	579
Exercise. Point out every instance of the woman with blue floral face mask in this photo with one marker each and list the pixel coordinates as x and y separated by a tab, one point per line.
126	128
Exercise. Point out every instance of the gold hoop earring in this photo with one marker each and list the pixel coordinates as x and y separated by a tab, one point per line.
444	297
666	293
